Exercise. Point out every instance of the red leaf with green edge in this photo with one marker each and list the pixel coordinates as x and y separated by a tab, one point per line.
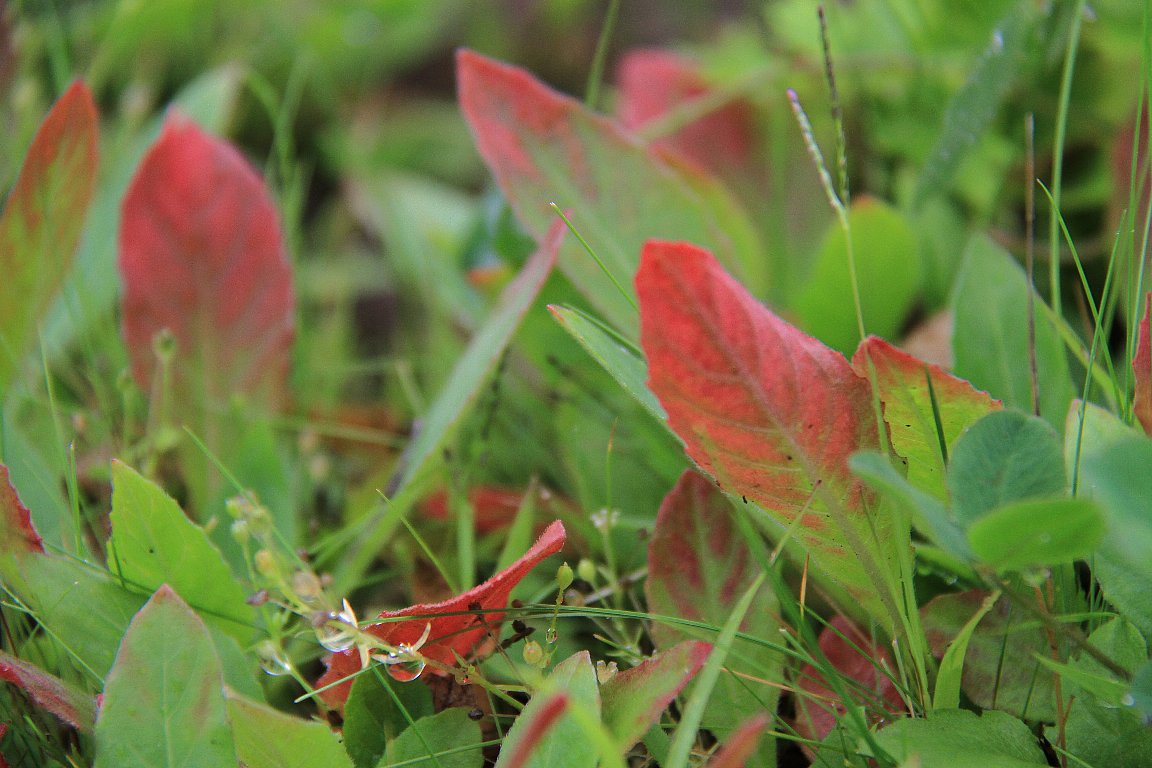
43	219
551	731
17	534
633	699
201	254
1142	368
655	83
699	568
740	746
768	411
545	147
71	705
902	384
449	635
856	658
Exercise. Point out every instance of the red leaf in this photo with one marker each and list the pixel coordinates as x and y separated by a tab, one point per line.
699	567
449	635
538	726
543	146
74	707
741	745
494	508
768	411
1142	367
17	534
653	83
201	254
855	657
43	218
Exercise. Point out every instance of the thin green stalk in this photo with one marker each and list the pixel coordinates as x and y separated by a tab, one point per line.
596	72
1058	152
594	255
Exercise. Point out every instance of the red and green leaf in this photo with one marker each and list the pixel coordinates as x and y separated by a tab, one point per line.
633	699
71	705
653	84
551	732
201	255
17	534
460	626
769	412
43	219
859	661
544	147
902	383
1142	368
699	568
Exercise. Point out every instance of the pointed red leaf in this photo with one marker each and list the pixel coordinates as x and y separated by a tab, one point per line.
201	254
653	83
543	147
71	705
1142	368
699	567
901	382
768	411
43	219
17	534
449	635
856	658
741	745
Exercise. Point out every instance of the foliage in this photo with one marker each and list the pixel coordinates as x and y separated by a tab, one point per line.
651	452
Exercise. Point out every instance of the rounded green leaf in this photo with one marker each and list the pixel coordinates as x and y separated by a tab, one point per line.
1037	532
1007	456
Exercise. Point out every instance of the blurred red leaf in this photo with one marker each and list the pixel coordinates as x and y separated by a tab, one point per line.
655	83
855	657
1142	368
770	412
201	254
43	218
494	507
741	745
17	534
448	635
73	706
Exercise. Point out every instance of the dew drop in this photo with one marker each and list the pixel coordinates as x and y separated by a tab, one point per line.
335	635
402	665
272	659
551	635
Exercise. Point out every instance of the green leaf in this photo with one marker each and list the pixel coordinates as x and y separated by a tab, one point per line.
154	543
1006	456
373	715
887	273
620	361
545	147
267	738
78	605
448	739
950	673
548	733
990	339
1037	532
164	697
1117	477
956	738
633	699
1099	429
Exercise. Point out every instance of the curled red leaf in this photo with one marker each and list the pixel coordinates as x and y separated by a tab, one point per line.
459	626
